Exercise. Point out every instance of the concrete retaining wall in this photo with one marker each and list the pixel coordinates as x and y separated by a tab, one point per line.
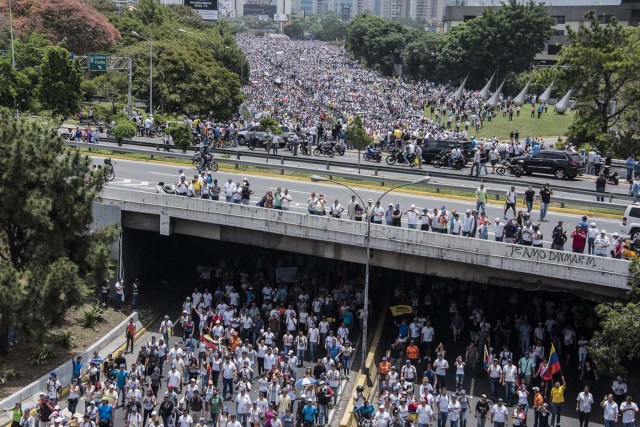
64	370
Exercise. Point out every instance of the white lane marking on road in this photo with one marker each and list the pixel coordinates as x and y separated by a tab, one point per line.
126	181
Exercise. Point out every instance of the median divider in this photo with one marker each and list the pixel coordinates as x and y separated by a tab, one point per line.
367	379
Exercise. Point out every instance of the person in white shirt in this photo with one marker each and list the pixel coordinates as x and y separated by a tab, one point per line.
442	402
412	217
498	230
610	410
441	365
499	414
381	418
243	402
454	411
495	377
185	420
583	406
509	374
629	410
425	414
427	334
602	244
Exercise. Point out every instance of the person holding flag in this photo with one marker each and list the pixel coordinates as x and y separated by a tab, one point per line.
557	399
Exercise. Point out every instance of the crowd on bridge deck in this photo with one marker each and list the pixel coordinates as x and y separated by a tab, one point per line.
516	225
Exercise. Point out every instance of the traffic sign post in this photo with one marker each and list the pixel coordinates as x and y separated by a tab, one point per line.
97	62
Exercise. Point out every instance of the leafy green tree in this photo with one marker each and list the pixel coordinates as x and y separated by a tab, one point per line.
358	137
15	86
123	129
47	247
181	134
600	63
295	30
505	39
59	89
210	88
420	56
271	125
331	28
615	347
378	42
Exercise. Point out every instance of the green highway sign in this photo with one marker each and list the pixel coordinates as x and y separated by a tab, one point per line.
97	62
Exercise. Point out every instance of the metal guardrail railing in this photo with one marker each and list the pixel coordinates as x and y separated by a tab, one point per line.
376	168
280	166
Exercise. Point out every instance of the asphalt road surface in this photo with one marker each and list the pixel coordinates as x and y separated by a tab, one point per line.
143	176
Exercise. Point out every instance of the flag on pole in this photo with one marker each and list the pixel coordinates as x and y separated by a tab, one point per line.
209	342
399	310
485	359
553	366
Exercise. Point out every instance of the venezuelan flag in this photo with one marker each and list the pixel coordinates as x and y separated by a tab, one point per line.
210	342
553	366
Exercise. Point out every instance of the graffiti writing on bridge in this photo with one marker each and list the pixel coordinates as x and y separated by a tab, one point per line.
564	258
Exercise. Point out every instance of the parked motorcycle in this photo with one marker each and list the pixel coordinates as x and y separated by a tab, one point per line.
324	149
513	169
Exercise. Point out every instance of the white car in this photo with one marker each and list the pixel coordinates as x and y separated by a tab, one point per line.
631	222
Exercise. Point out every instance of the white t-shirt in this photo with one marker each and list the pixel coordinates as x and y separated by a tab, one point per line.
441	366
427	333
425	414
500	413
510	373
628	416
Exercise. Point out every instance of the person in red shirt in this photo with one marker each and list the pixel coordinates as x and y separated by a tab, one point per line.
578	240
131	333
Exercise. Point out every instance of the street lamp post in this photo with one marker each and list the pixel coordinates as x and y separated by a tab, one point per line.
316	178
13	52
150	40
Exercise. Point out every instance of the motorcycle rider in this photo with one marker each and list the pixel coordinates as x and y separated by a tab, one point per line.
456	153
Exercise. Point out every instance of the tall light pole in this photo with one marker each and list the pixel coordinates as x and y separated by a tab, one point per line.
367	241
150	40
13	51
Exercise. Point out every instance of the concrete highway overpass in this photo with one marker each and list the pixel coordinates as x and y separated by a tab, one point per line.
473	260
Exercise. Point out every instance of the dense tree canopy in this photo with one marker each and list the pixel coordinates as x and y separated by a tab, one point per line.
505	39
59	88
615	347
49	256
378	42
601	65
82	28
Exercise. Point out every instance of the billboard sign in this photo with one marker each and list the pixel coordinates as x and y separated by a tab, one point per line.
260	7
280	17
208	9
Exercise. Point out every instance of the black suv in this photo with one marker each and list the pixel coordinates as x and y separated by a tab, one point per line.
433	148
557	163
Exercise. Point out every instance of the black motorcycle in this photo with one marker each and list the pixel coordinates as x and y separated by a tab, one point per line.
514	169
397	156
203	160
442	159
324	149
612	178
255	142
